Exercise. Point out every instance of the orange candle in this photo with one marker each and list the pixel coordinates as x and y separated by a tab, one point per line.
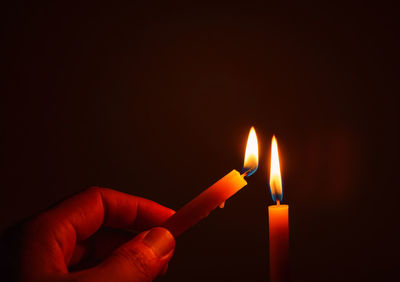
278	216
217	194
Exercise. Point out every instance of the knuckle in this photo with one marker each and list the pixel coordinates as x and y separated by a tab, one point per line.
97	190
94	189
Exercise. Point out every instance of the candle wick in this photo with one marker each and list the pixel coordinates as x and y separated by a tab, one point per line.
244	174
278	202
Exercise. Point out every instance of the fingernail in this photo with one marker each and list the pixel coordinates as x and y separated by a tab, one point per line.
160	240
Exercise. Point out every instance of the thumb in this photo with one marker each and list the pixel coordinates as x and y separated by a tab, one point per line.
140	259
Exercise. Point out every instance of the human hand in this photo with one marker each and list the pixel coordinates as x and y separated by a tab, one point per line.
69	235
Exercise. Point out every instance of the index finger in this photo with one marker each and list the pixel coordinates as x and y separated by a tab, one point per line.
96	207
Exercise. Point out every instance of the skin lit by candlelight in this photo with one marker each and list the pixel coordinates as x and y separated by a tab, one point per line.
275	180
251	156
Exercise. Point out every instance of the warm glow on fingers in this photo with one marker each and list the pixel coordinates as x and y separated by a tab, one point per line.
251	156
275	180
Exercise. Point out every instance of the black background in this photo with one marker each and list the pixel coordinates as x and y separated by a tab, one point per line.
157	100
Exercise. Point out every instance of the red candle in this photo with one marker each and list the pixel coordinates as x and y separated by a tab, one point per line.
217	194
278	216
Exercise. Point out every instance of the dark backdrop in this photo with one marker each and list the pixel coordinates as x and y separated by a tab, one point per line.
156	100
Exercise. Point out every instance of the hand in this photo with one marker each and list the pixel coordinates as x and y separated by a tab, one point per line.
71	236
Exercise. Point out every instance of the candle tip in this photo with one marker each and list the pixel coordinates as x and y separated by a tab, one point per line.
278	202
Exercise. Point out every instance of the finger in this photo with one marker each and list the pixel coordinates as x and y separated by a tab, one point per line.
141	259
78	217
97	206
99	246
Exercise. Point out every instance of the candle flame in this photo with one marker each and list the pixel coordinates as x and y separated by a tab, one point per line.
275	180
251	156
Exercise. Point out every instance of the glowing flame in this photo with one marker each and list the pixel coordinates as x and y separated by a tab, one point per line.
275	180
251	157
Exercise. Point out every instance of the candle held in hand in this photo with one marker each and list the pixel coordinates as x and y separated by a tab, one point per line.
278	217
217	194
